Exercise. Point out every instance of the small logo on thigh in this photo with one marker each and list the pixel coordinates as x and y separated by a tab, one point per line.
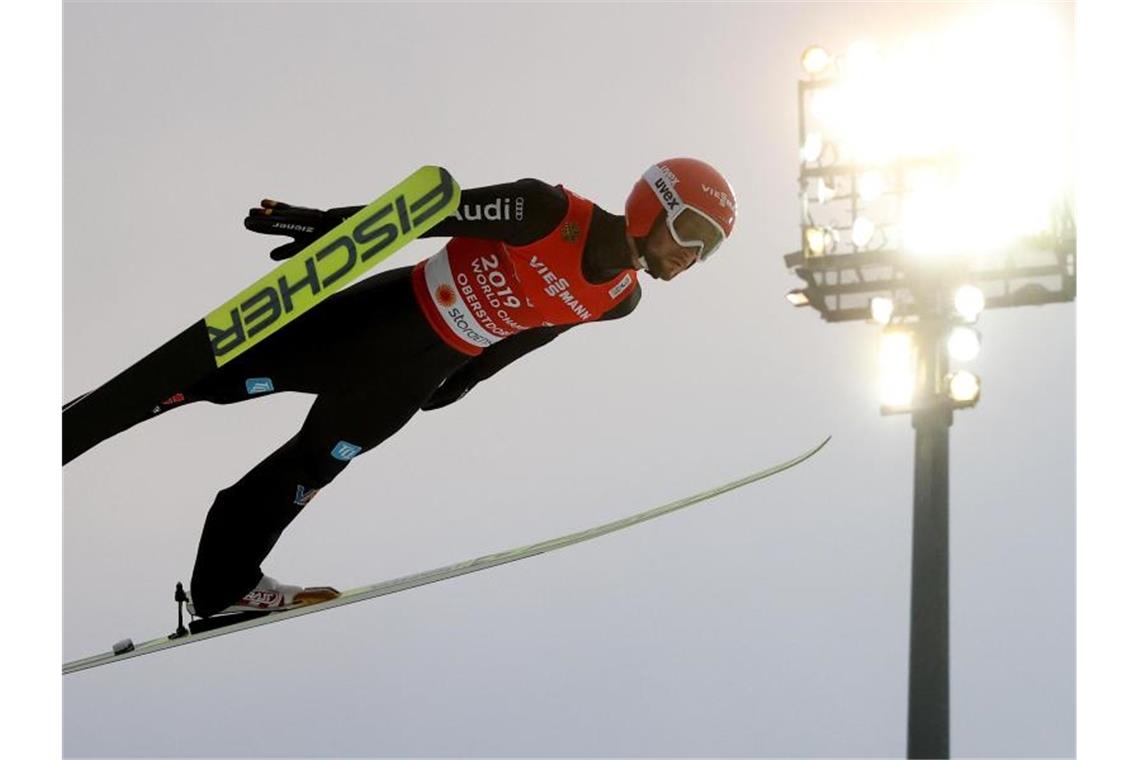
345	451
255	385
304	496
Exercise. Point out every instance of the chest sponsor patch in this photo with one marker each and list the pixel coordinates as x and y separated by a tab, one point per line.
471	302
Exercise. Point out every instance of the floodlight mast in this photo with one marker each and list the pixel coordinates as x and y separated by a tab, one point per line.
928	700
844	274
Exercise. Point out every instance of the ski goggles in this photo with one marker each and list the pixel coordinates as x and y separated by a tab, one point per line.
689	226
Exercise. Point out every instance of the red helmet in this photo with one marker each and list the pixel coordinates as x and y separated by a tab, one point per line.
679	185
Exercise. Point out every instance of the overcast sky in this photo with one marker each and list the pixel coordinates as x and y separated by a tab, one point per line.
769	622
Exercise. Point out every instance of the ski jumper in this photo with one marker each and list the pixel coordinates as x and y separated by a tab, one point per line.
416	338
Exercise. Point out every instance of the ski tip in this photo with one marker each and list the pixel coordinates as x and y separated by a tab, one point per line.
819	446
815	449
812	451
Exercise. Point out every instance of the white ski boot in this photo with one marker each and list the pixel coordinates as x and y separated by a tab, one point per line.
271	596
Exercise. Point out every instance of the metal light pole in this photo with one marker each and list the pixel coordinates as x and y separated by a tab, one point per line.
853	267
928	700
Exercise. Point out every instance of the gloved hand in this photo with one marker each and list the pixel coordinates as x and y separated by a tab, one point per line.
302	224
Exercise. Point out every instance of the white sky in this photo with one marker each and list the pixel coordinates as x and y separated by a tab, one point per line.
771	622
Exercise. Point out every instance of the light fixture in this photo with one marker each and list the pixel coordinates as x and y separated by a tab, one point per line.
823	191
965	387
826	105
964	343
881	309
932	217
897	368
797	298
815	60
812	148
871	186
862	232
817	240
969	302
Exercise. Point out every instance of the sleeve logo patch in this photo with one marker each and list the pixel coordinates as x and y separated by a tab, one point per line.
344	451
255	385
622	286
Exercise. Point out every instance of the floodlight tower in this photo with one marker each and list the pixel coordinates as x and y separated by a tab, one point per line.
878	244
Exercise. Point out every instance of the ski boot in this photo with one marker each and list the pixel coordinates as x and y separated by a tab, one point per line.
268	596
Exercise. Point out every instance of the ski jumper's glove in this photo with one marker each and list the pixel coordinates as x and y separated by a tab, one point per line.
302	224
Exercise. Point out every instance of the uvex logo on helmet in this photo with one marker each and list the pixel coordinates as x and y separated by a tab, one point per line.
666	194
